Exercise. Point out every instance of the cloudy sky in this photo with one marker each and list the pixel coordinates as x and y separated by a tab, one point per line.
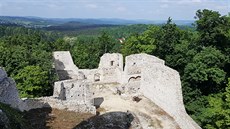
125	9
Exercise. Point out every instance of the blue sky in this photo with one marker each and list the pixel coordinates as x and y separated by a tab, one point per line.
125	9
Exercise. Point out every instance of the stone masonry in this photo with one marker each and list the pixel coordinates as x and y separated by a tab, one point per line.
80	90
143	74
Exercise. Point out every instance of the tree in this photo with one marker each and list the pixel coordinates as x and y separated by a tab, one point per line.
106	43
213	29
169	37
86	52
217	112
206	70
143	43
61	45
32	81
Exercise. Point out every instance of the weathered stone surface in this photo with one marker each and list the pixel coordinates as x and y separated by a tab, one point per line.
112	120
8	91
64	65
73	90
47	102
143	75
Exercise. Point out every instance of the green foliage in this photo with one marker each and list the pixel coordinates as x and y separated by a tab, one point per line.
144	43
86	51
21	47
105	43
201	56
213	28
32	81
168	38
136	45
217	112
61	45
205	71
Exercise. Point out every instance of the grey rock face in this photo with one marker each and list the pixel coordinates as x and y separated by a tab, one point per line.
8	91
3	74
112	120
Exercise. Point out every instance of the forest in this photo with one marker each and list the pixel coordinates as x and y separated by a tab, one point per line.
199	53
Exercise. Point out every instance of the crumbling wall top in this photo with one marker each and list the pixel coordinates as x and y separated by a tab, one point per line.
142	59
63	61
111	60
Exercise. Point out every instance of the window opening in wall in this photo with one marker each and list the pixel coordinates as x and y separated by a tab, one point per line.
111	63
97	77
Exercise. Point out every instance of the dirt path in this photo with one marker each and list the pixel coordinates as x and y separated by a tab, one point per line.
47	118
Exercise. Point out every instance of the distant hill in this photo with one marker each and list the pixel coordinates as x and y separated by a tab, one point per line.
37	22
34	22
75	25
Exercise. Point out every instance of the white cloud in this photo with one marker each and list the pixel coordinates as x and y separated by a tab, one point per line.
121	9
52	6
92	6
190	1
221	7
164	6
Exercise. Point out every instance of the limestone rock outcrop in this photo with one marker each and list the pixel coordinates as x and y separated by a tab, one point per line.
8	91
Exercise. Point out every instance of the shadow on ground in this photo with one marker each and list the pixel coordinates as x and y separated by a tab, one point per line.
111	120
37	118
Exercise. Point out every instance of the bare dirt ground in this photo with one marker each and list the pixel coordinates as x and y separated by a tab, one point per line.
47	118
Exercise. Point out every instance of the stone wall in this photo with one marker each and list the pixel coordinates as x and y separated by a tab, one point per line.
70	105
160	84
114	60
76	90
111	68
134	64
64	65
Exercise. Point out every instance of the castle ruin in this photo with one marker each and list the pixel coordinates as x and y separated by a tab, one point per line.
144	78
142	75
